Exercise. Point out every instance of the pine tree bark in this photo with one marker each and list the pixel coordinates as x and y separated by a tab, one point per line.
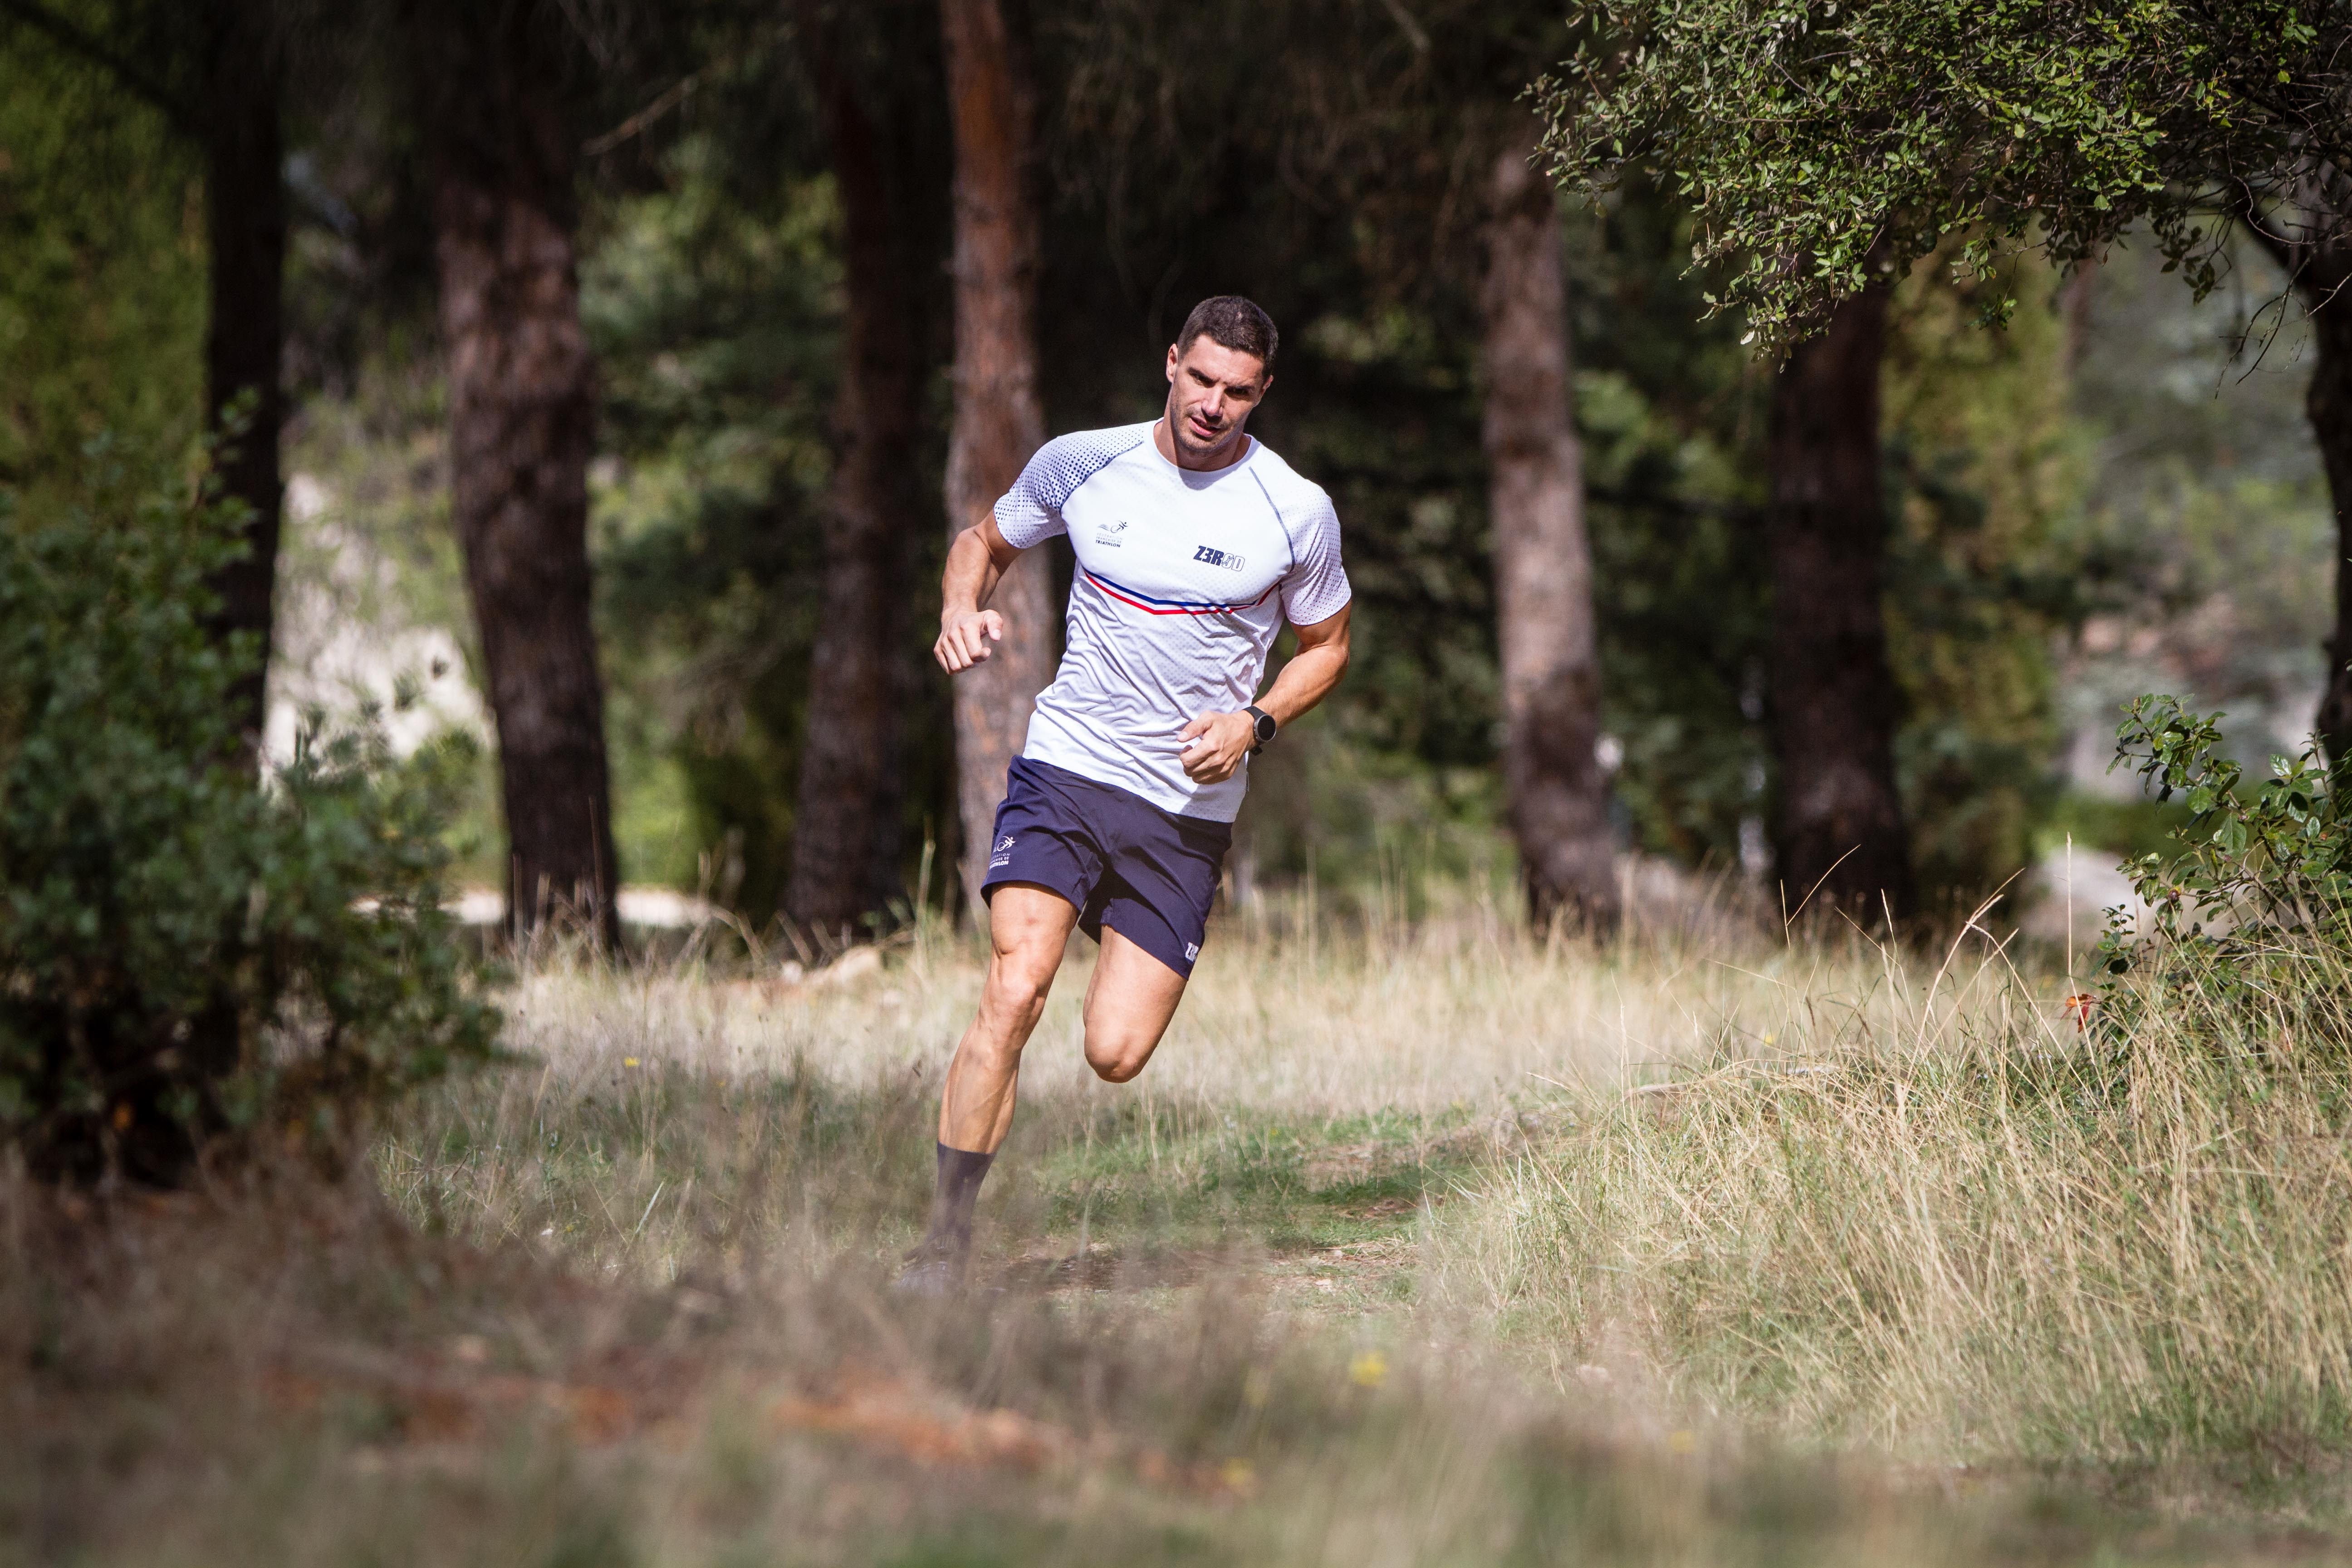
1543	560
999	422
1839	836
244	200
844	834
522	416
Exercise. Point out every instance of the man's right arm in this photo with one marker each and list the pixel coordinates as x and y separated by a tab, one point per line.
977	561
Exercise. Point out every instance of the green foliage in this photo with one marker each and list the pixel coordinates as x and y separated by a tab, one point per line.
1671	424
184	954
102	268
1819	144
715	316
1985	477
1983	473
2261	887
714	299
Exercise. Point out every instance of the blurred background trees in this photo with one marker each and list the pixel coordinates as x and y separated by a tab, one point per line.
620	371
845	843
1823	154
493	90
213	77
999	418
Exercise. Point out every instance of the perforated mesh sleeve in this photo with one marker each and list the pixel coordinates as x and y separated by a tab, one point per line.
1031	511
1316	587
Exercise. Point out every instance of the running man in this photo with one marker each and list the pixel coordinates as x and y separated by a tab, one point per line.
1195	544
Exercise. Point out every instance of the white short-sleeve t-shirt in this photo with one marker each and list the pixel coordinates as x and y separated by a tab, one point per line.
1183	581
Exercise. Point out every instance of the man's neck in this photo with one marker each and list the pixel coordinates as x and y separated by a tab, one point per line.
1224	457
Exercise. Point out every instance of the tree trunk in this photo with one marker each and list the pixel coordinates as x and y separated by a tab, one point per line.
845	833
2320	266
1840	838
2329	406
1543	563
246	218
998	420
2076	296
522	414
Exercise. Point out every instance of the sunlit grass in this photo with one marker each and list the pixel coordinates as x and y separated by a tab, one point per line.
1422	1243
1832	1190
1978	1237
666	1101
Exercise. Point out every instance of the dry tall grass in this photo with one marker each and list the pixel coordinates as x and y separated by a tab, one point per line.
625	1302
1459	1022
1963	1231
1288	1011
1850	1193
284	1378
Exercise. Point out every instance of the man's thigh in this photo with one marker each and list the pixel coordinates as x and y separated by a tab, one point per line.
1030	923
1128	1006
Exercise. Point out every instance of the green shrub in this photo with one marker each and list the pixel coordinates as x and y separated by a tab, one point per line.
189	955
2255	909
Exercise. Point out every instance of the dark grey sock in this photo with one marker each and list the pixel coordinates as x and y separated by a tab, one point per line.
960	1175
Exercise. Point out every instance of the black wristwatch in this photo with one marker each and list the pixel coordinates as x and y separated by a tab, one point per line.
1262	724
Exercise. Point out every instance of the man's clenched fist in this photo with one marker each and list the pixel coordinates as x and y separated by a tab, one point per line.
964	636
1215	745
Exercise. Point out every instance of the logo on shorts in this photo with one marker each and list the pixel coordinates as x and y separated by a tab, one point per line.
1191	951
1224	558
1001	857
1108	534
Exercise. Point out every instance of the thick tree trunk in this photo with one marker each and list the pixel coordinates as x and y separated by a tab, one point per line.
246	217
2329	406
845	833
2320	266
2323	277
523	414
1543	562
998	420
1834	705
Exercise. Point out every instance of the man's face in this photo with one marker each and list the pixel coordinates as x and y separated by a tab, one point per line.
1210	391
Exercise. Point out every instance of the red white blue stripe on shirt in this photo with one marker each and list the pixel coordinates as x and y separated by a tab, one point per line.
1152	606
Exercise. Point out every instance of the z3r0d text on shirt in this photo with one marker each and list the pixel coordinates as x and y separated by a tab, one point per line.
1184	579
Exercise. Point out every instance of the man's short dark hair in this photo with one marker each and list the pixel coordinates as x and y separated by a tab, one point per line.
1235	323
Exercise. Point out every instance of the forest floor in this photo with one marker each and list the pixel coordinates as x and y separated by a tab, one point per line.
625	1299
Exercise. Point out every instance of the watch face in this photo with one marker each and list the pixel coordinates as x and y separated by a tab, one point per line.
1264	727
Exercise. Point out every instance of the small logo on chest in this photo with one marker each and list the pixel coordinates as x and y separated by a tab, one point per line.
1224	557
1108	534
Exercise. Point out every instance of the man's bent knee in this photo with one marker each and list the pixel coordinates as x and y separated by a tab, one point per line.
1021	981
1116	1063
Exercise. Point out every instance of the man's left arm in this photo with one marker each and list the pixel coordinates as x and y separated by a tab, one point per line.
1215	743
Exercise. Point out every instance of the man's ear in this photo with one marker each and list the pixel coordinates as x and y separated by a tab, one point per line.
1171	363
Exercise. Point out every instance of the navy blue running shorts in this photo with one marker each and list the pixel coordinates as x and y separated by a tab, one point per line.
1122	862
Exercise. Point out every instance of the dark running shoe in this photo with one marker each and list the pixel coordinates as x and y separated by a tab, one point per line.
933	1270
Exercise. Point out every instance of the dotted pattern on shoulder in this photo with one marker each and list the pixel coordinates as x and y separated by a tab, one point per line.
1031	511
1316	587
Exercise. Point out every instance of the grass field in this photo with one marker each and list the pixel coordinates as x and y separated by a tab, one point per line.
1417	1244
